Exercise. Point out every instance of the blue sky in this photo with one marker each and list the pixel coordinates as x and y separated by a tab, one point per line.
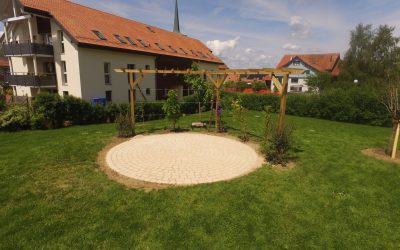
256	33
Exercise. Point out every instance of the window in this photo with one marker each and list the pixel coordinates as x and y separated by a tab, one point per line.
184	52
296	89
296	62
109	96
130	40
148	91
65	93
159	46
143	43
107	73
150	29
130	66
120	39
61	37
173	50
147	67
294	80
193	53
99	35
201	54
64	72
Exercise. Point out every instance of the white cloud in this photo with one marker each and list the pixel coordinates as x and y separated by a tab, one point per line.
218	46
300	27
1	33
291	47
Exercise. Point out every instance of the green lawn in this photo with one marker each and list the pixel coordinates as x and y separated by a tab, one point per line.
53	195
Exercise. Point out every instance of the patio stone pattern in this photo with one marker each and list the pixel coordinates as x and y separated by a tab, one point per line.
183	159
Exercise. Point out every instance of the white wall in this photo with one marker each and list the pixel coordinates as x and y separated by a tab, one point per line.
71	57
302	78
92	74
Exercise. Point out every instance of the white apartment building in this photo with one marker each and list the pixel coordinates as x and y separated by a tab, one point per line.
62	47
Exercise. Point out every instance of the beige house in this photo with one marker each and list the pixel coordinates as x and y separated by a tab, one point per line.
62	47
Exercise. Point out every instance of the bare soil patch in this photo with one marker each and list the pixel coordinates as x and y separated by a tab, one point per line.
379	154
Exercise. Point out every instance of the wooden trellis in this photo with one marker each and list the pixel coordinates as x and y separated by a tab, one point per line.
218	77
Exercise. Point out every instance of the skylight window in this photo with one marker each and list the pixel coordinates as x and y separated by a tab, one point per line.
173	50
143	43
120	39
130	40
184	52
159	46
193	53
99	35
201	54
150	29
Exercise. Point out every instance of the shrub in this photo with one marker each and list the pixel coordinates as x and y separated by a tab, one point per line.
112	111
355	105
2	102
15	118
77	110
50	109
238	111
98	114
277	149
124	125
172	108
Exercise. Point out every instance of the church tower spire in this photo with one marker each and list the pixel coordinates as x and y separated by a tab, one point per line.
177	28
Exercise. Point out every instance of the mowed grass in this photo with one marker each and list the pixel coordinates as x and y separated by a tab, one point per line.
54	196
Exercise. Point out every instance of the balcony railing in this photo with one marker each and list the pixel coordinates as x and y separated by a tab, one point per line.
27	48
30	80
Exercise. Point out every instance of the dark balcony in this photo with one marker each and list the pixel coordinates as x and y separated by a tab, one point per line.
27	49
30	80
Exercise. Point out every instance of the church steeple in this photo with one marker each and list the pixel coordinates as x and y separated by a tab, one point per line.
177	28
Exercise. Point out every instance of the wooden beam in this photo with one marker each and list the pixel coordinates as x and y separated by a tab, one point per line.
215	72
276	83
282	112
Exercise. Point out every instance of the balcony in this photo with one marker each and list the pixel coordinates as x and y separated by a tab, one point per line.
30	80
27	48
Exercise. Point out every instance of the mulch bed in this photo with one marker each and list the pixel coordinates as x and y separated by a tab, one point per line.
379	154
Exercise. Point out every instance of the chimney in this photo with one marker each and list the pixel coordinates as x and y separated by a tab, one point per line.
177	28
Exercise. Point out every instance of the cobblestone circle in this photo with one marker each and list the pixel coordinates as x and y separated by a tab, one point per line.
183	159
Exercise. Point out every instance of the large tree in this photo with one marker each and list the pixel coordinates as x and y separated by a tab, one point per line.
372	55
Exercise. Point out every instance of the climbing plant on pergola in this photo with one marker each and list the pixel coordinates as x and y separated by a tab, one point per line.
218	77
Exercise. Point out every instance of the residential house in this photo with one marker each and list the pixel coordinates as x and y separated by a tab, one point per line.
63	47
312	64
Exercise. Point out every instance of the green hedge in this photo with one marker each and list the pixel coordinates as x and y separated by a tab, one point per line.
355	105
51	111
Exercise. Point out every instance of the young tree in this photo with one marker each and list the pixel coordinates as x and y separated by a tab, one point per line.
202	90
320	82
172	108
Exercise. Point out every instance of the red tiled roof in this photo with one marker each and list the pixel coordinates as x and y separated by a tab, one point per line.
80	21
4	62
320	62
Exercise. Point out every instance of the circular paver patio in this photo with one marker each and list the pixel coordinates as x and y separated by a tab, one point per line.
183	159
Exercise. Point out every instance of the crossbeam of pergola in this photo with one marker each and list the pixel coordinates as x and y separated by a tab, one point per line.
218	77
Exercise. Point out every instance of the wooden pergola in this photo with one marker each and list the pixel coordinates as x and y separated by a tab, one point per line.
218	77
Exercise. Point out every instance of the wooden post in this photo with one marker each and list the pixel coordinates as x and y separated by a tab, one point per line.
217	108
132	85
132	97
282	112
218	84
396	141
